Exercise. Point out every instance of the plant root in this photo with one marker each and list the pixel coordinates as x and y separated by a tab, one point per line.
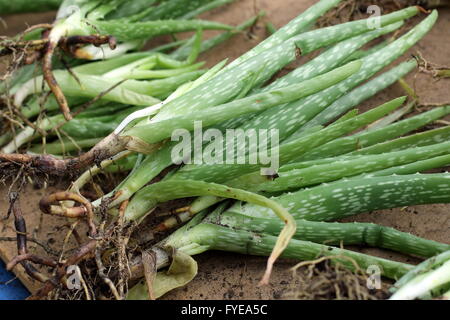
324	279
72	44
435	70
74	212
45	247
105	278
52	166
23	256
45	48
51	80
82	253
68	45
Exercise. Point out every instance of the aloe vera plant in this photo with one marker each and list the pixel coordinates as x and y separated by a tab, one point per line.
302	177
248	230
326	171
221	88
113	80
194	101
291	150
263	100
154	166
96	22
301	112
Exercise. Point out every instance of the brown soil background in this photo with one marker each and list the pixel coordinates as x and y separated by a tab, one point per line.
231	276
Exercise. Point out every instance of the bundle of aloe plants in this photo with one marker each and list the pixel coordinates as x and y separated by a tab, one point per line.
103	93
275	200
83	27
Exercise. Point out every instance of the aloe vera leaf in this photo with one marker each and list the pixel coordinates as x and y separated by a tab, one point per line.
352	196
415	167
20	6
91	87
206	236
159	130
184	51
175	9
361	141
333	111
292	28
289	151
424	284
297	114
148	29
206	7
223	173
224	86
299	178
337	233
325	62
358	95
416	140
181	189
316	174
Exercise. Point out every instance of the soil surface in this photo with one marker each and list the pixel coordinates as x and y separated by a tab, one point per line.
231	276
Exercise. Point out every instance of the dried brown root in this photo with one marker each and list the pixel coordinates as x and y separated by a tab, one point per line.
52	166
45	26
121	248
111	240
74	212
435	70
72	44
23	256
33	258
68	44
106	266
29	123
105	278
82	253
9	47
431	4
45	48
45	247
51	80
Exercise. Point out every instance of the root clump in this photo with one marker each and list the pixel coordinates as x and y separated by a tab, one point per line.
323	280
